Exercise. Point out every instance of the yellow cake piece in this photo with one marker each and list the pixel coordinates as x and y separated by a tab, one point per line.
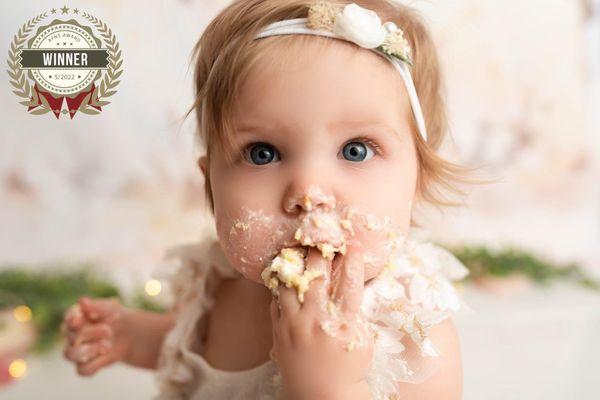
289	268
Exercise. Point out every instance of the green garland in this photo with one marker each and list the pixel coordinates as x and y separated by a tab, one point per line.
481	262
49	294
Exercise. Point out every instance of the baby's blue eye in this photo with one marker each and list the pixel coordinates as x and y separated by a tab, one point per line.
262	153
357	151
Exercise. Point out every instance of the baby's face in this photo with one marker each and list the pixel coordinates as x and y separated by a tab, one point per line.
326	157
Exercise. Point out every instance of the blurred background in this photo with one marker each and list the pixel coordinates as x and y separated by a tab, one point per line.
89	205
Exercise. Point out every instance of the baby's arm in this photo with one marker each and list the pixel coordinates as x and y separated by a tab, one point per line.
147	329
101	332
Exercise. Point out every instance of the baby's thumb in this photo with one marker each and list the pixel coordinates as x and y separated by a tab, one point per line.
74	318
98	309
316	261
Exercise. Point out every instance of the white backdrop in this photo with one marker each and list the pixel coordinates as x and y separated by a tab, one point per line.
523	81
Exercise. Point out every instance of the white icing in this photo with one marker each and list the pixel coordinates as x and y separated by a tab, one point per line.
289	268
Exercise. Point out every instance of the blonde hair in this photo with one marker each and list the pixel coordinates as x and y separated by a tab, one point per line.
226	51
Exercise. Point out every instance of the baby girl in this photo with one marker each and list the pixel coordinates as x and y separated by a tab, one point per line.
321	122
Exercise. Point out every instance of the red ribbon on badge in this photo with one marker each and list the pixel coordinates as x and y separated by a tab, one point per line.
56	102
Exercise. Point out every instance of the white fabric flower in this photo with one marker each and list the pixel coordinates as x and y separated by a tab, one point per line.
360	25
433	292
431	270
387	338
451	266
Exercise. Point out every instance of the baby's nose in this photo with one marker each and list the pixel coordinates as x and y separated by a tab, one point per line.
309	200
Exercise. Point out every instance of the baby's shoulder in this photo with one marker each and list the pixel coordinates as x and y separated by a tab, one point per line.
446	374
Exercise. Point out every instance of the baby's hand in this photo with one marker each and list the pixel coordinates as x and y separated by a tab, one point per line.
322	347
95	334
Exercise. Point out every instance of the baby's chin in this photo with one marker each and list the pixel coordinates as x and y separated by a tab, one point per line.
253	240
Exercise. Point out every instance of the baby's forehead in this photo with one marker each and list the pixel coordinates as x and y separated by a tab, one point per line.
304	76
286	54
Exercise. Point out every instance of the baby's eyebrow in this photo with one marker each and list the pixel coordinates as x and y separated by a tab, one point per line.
252	127
334	127
361	124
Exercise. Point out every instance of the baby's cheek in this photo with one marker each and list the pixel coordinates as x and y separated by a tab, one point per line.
250	240
380	240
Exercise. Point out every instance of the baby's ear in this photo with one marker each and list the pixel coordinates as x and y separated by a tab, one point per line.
202	164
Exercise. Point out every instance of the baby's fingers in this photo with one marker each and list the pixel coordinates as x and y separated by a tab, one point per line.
87	351
318	291
274	310
99	309
288	301
350	286
74	317
92	332
91	367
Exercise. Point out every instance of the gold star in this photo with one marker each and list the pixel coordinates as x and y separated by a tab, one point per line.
53	11
64	10
75	11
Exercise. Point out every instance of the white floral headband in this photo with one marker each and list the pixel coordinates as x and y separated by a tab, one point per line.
363	27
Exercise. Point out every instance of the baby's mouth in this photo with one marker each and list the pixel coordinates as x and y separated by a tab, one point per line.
335	261
289	268
327	231
324	231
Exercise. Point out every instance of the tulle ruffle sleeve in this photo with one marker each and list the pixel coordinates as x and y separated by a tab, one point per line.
187	269
410	296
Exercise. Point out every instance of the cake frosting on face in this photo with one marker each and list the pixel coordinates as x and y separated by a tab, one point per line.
329	232
289	268
253	238
323	230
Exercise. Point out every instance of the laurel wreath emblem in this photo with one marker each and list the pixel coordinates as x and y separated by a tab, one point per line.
18	80
114	71
107	87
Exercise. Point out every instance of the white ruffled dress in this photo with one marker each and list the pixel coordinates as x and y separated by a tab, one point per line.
410	296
